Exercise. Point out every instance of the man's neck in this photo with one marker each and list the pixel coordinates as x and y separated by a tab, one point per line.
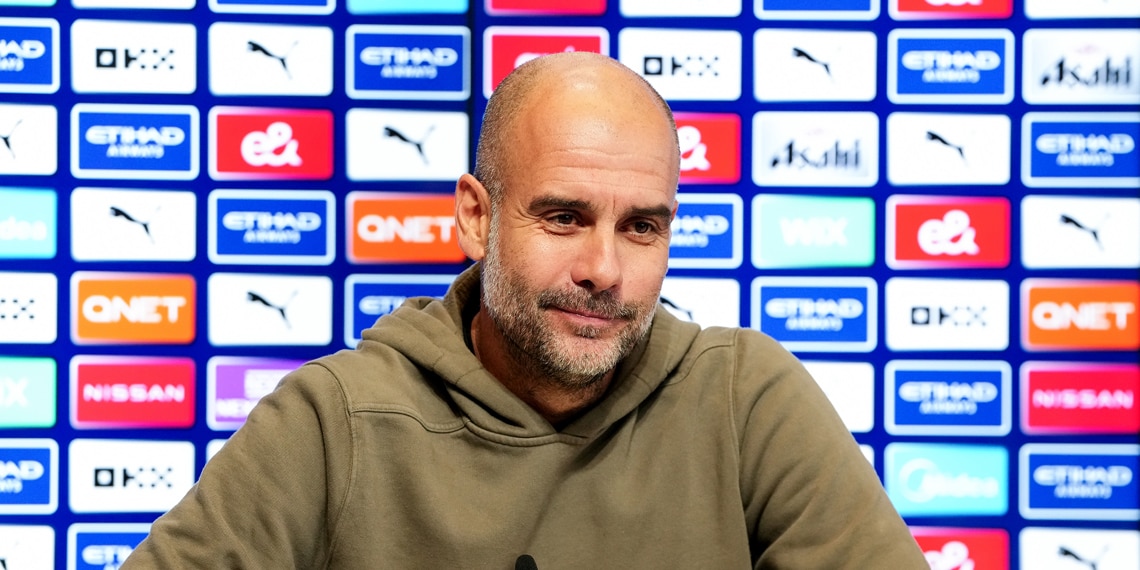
558	403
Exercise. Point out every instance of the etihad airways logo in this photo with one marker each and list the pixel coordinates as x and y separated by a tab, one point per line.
815	149
155	142
102	546
950	66
262	59
926	479
133	57
810	65
685	65
507	47
293	227
132	392
928	149
707	231
1075	314
133	225
1081	67
269	310
1079	398
29	473
234	385
817	9
27	223
369	297
28	308
940	231
409	62
964	548
1080	231
946	397
710	147
248	143
817	314
1081	150
29	55
1080	481
28	135
386	227
132	308
950	9
812	231
396	144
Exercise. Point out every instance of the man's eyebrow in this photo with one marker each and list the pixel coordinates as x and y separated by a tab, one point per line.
555	202
660	212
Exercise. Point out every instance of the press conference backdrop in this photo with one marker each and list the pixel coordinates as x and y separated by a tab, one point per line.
934	203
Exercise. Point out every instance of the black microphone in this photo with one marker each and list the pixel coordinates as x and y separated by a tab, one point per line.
525	562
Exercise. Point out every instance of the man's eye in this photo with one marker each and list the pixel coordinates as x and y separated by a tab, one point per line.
642	227
563	219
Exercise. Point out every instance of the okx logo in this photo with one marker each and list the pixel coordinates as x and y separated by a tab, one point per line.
685	65
817	314
1082	150
815	149
249	143
925	479
507	47
934	232
707	231
28	308
945	397
963	548
947	314
269	310
370	297
155	142
1081	67
1073	314
402	228
132	392
950	10
29	55
275	226
29	472
234	385
812	231
1080	481
102	546
132	308
124	476
950	66
1079	398
409	62
133	57
710	147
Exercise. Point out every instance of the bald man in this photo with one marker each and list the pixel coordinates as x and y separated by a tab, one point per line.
547	412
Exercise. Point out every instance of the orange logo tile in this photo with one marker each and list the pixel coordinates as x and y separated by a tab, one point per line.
132	308
1080	315
402	228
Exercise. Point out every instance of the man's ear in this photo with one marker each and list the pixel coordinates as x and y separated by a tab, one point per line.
472	216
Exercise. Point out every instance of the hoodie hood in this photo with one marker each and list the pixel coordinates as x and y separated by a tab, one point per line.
431	333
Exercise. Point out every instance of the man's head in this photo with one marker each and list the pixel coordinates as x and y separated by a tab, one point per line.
569	212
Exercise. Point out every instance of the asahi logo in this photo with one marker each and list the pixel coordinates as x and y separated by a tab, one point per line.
1081	66
815	149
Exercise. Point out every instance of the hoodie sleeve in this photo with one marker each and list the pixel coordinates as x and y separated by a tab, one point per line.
811	498
271	496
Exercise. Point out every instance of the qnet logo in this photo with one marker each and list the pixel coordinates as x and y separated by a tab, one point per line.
132	392
963	548
132	308
933	232
545	7
1073	314
1079	398
950	9
507	47
249	143
710	147
402	228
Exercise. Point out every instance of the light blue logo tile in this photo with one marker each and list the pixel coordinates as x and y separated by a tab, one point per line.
28	223
407	6
926	479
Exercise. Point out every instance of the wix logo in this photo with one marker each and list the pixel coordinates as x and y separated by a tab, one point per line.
811	65
390	144
28	139
269	310
261	59
947	314
1080	231
133	225
1081	67
685	65
815	149
133	57
944	149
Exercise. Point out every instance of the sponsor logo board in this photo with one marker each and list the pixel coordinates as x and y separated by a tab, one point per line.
1079	481
28	139
950	66
947	314
1067	548
27	392
950	9
127	476
1078	150
110	392
315	7
1075	314
371	296
1080	231
269	310
109	56
963	548
29	476
947	232
155	142
685	65
707	302
1079	398
133	225
409	62
947	397
235	384
1081	66
815	65
850	386
710	147
929	479
925	149
815	149
27	223
817	9
707	232
817	314
249	143
102	546
28	308
27	547
392	144
390	227
29	55
812	231
261	59
132	308
293	227
507	47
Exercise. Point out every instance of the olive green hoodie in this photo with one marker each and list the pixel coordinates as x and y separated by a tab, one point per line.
713	449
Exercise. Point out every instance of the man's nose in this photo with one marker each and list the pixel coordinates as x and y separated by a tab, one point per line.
597	264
